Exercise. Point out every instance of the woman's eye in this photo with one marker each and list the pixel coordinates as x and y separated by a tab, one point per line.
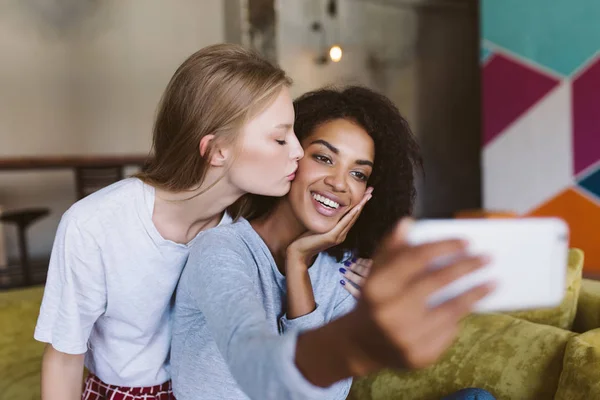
360	176
281	142
322	159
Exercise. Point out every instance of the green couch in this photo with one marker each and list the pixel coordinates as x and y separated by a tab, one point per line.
20	355
546	354
533	355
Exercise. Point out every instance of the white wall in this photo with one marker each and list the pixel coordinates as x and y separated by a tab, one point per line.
90	90
95	89
428	67
364	30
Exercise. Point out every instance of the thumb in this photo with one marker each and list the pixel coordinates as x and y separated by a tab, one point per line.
399	235
404	227
394	241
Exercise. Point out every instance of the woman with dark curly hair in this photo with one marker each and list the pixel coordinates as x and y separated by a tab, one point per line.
250	289
392	176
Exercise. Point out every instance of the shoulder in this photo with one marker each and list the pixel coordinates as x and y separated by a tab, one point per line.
106	201
220	254
225	240
326	271
328	263
328	276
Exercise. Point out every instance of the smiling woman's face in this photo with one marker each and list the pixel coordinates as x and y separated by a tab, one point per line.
332	177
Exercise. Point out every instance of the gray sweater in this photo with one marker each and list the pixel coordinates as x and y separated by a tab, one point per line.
231	337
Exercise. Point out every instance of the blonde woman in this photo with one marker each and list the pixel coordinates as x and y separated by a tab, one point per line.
223	129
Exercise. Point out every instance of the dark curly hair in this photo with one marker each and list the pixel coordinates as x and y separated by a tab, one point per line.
397	158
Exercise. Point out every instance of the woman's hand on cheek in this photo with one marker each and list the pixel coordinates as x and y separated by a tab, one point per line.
354	273
310	244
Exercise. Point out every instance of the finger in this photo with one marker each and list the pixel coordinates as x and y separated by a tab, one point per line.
432	345
396	267
460	306
411	261
437	330
355	211
394	241
350	288
352	276
354	214
361	266
431	282
341	229
366	196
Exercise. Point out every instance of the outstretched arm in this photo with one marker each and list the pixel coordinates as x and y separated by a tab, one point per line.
392	325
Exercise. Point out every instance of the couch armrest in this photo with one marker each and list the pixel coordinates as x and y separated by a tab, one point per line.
588	307
580	378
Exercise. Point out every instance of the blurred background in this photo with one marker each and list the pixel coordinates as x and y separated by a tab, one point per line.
501	94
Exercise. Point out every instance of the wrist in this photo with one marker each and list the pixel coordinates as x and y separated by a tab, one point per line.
296	259
353	345
344	357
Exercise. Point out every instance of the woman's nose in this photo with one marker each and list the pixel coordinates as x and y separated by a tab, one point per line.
337	181
296	150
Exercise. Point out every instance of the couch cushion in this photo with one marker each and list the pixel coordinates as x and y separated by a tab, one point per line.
588	307
512	358
20	354
580	378
563	315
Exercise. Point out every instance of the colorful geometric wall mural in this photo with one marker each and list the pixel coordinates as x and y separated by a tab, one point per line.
540	65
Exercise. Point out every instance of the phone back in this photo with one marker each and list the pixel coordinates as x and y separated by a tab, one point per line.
528	259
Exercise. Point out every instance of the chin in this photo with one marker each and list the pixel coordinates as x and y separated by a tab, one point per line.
320	224
276	191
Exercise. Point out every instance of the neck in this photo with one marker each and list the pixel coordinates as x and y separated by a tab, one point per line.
180	216
279	229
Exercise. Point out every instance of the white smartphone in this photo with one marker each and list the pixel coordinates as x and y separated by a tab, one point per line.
528	259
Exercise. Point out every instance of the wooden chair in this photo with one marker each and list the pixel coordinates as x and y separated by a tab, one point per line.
22	219
90	179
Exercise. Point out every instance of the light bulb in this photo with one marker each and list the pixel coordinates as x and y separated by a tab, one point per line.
335	53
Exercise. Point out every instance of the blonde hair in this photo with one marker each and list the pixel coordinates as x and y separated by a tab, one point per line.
215	91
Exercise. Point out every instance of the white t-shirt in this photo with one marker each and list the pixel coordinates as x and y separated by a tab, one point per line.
110	286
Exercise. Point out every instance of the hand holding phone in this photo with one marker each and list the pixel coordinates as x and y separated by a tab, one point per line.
528	259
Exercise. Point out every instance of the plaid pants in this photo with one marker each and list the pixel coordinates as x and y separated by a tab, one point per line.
95	389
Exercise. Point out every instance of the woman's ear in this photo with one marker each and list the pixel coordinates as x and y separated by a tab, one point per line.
210	146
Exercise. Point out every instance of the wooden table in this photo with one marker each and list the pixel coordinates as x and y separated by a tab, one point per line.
66	162
91	169
91	173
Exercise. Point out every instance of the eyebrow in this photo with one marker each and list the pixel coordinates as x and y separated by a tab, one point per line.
284	126
335	150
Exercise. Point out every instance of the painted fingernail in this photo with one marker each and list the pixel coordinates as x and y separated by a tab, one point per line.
485	259
347	263
343	270
343	282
